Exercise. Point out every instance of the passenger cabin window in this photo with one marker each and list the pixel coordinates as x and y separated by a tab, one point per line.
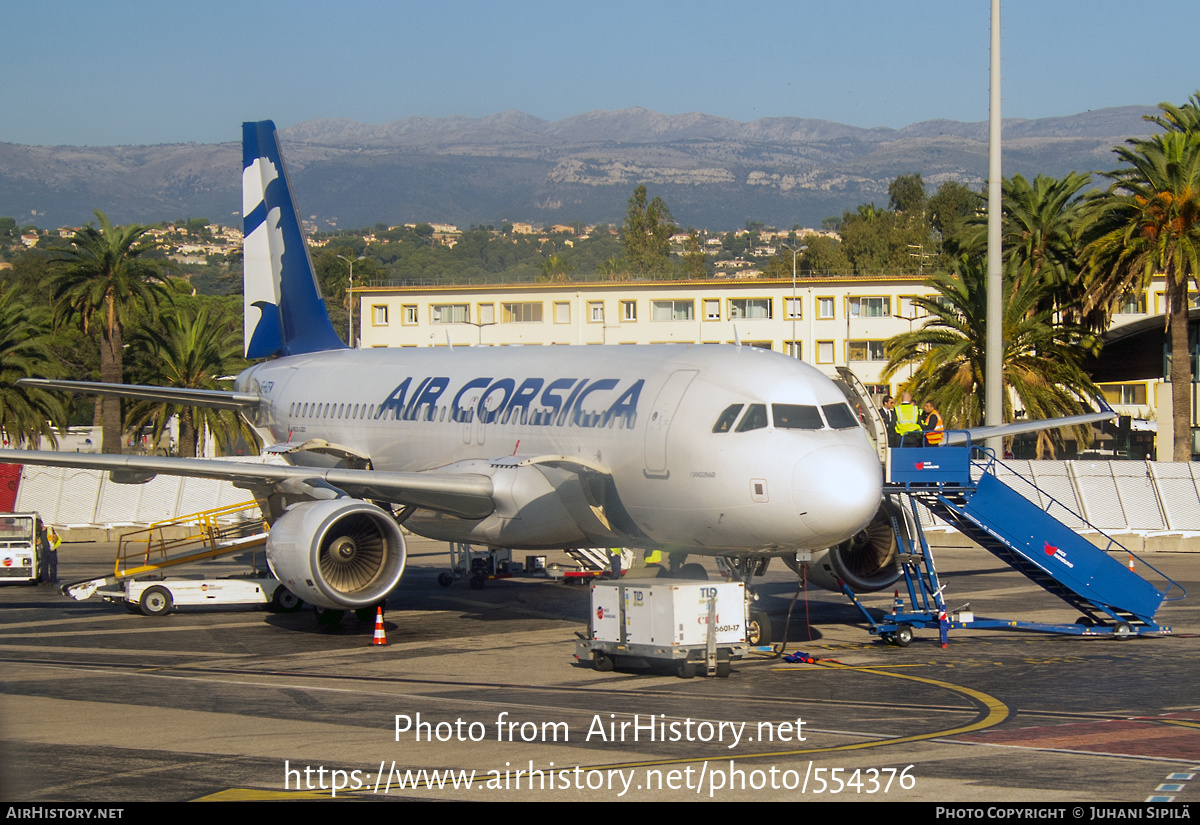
840	416
797	417
754	419
725	421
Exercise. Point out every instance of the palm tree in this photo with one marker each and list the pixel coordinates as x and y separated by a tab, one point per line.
26	413
102	277
190	350
1040	235
1148	223
1041	357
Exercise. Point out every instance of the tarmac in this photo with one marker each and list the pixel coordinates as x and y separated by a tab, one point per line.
103	706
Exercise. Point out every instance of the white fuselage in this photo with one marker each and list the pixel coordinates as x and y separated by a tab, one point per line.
667	461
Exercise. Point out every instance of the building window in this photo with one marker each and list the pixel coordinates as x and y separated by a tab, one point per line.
596	312
749	309
792	308
448	313
411	318
824	352
825	308
1132	303
712	309
562	312
525	313
870	307
379	316
672	310
1125	395
865	351
487	313
793	348
629	310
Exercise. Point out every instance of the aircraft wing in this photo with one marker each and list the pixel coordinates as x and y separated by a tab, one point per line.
217	399
978	434
460	494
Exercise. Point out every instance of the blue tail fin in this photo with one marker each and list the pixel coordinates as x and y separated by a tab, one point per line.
284	313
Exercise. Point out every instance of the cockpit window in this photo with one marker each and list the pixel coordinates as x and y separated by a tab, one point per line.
840	416
796	417
754	419
725	422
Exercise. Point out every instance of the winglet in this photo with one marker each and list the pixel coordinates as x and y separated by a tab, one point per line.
284	313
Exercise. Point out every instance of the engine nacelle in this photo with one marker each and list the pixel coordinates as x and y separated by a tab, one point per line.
867	561
341	554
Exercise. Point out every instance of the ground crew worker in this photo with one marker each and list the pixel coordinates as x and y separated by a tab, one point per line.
908	421
931	424
55	540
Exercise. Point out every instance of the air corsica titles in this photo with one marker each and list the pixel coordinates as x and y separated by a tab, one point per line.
536	401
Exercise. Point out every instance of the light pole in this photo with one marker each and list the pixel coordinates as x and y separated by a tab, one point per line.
795	254
350	297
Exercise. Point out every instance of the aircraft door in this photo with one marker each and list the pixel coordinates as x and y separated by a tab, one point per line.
659	421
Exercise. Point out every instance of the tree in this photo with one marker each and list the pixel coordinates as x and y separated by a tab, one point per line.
951	206
907	194
648	230
1040	235
191	349
1148	222
26	413
1042	358
557	268
693	257
102	277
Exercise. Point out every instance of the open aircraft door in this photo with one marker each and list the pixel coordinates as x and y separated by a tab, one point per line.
861	403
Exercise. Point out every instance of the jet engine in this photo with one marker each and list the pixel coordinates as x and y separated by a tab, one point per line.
341	554
867	561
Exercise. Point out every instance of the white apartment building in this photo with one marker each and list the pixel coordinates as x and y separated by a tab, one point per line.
828	321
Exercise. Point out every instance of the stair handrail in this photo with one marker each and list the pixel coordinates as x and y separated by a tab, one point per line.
987	464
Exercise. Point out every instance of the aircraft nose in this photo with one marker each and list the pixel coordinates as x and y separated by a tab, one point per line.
837	489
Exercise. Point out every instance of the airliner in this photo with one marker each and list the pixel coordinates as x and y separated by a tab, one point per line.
718	450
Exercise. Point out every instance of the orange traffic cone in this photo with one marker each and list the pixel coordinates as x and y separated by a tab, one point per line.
380	637
1131	562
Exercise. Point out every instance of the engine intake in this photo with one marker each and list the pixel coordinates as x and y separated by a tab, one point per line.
339	554
867	561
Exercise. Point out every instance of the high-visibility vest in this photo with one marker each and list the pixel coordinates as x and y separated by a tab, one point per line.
907	419
933	428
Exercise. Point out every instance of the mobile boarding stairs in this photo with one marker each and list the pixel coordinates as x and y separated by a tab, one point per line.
959	486
184	540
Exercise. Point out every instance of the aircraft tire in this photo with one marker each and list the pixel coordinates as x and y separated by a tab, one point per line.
692	570
758	631
327	617
156	601
445	579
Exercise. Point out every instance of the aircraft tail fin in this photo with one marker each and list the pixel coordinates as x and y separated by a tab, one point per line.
284	312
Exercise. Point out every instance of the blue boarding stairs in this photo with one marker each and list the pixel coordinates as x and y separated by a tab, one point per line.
959	485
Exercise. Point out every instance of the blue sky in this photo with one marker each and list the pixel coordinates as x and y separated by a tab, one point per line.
129	72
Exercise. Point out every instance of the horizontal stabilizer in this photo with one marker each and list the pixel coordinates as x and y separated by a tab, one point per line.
216	399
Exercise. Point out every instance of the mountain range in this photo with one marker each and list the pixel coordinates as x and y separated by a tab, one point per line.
712	172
